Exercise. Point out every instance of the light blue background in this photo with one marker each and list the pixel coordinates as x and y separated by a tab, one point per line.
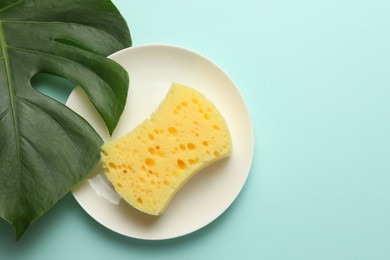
315	76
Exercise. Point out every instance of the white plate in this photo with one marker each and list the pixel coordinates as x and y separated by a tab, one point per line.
152	69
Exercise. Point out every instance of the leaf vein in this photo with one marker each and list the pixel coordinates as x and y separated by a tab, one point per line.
11	5
5	59
32	105
2	114
69	60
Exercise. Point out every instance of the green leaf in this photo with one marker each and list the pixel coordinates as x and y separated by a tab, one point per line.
45	148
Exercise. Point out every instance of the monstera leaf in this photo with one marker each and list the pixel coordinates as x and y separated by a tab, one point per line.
45	148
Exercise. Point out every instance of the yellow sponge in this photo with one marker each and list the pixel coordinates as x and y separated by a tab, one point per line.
151	163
